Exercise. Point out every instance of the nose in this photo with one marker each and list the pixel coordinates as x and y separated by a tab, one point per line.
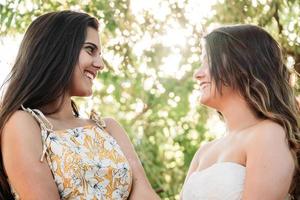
98	62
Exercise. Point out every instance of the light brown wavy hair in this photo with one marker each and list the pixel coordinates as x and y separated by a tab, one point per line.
248	59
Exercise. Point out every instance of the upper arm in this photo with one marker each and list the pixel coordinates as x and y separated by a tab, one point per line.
141	187
269	166
21	149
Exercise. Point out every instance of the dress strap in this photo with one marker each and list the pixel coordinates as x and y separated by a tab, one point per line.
44	124
97	119
40	117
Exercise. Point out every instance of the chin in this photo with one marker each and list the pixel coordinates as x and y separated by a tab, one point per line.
205	101
88	94
83	93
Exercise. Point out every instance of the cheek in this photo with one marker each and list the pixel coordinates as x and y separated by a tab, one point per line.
208	76
228	91
76	74
213	90
210	93
84	59
76	77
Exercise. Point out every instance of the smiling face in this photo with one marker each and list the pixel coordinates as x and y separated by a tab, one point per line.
210	96
206	84
89	63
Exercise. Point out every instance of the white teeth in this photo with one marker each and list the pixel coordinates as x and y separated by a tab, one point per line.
89	75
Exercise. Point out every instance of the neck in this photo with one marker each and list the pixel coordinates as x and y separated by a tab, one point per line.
64	113
237	114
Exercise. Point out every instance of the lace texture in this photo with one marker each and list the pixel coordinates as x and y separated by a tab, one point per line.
221	181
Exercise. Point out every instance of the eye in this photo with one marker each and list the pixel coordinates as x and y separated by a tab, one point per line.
90	49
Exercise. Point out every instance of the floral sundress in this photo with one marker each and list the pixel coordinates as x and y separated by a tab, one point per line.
86	162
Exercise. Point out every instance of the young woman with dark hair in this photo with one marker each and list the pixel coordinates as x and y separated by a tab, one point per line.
244	78
47	150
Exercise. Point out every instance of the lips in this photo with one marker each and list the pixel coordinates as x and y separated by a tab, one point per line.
89	74
204	84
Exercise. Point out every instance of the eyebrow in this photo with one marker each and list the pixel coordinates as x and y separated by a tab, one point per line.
90	43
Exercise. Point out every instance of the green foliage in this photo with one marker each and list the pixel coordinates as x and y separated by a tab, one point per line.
147	84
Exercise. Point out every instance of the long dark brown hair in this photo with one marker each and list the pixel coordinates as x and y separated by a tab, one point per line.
43	68
248	59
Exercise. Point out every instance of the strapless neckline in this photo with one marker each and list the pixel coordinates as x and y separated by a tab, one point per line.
220	163
220	181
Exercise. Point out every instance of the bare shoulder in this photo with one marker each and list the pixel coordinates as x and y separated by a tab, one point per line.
113	126
270	126
19	116
110	122
18	123
117	132
20	132
271	137
268	133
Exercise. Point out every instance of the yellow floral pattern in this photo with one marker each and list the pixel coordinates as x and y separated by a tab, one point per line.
87	163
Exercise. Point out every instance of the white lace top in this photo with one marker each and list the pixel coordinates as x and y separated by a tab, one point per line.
221	181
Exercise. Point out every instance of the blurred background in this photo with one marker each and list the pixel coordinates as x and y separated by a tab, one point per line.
151	49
